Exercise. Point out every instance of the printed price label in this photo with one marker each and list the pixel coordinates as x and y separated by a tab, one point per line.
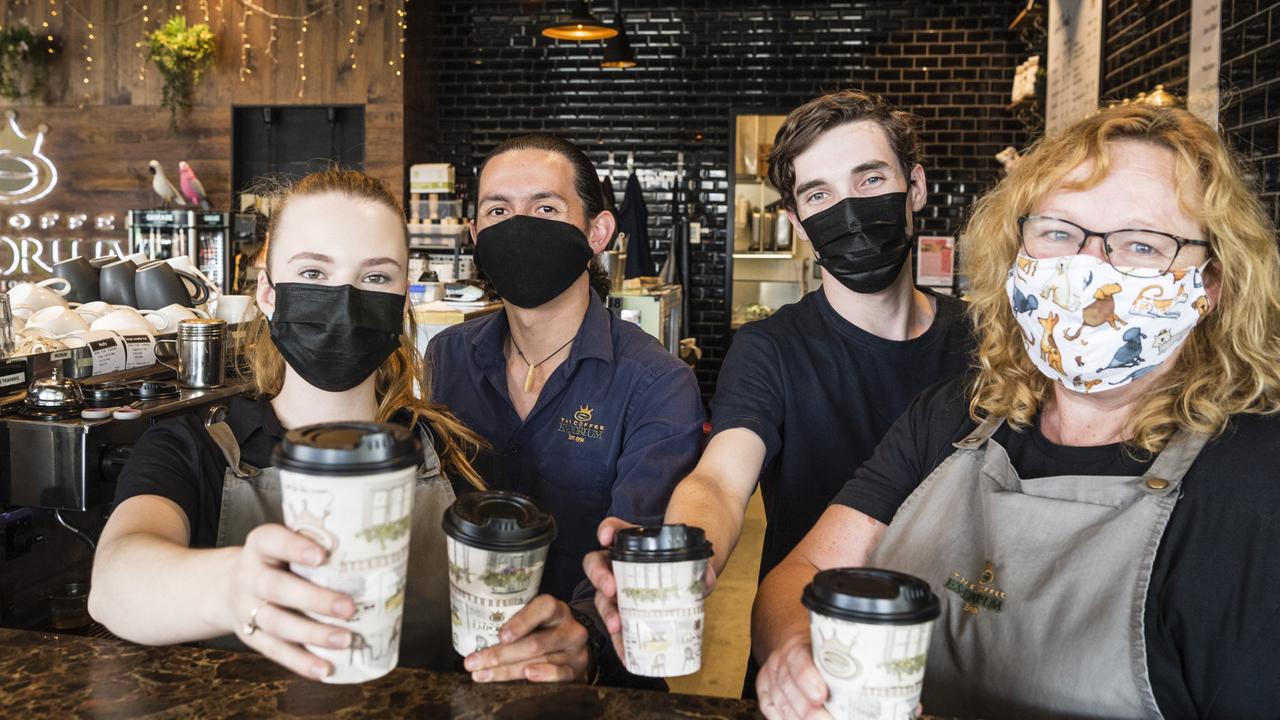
139	351
12	379
108	356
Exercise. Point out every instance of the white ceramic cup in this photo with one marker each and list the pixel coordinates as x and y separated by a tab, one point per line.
122	318
18	325
166	319
233	308
36	345
27	298
93	310
56	321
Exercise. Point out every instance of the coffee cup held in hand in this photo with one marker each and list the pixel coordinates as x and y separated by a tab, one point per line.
497	545
349	487
661	572
870	630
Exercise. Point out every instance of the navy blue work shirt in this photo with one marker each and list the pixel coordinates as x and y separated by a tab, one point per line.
616	426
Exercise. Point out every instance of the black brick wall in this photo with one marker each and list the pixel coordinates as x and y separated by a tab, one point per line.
1147	42
493	76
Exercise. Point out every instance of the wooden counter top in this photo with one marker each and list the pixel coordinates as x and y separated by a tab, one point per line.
45	676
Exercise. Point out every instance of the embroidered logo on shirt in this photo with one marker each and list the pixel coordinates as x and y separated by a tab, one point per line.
982	595
579	428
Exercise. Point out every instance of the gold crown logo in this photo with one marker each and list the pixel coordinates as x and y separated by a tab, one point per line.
25	174
583	414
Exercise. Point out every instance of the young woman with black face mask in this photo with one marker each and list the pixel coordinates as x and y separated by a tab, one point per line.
583	411
191	555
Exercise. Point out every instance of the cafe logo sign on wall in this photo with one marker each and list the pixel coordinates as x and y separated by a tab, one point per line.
25	174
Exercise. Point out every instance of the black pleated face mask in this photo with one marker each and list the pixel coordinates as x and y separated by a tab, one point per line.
862	241
531	260
335	336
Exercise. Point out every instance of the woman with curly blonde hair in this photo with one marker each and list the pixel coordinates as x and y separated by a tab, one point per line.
1095	506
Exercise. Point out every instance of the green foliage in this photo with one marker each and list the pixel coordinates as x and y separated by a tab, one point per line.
906	666
385	532
24	61
182	54
508	578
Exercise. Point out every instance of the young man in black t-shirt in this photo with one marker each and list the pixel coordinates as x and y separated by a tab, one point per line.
805	395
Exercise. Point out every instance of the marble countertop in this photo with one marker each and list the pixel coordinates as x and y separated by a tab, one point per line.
44	675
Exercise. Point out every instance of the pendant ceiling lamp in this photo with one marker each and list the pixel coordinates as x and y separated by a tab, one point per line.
617	51
580	26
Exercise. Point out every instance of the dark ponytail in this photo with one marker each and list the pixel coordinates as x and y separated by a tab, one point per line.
585	182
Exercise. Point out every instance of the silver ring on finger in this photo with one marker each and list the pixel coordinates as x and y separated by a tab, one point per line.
252	626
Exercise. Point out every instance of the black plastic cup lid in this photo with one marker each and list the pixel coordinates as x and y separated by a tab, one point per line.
347	448
499	521
660	543
872	596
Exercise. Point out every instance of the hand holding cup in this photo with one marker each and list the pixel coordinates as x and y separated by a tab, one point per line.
267	604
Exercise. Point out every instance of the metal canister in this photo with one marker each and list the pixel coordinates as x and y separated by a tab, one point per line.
201	352
6	327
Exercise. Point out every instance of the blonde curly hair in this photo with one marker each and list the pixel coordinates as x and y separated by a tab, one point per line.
1228	364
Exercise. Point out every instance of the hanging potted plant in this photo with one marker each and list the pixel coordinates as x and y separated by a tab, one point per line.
182	54
24	61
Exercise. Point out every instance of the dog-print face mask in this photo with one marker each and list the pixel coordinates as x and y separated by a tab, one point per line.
1093	328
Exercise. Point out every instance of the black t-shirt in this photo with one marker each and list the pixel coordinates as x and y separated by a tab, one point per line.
177	459
820	392
1212	620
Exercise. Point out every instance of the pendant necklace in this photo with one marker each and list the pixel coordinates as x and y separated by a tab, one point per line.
528	377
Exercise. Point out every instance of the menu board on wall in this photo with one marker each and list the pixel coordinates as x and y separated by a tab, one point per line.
1205	59
1075	62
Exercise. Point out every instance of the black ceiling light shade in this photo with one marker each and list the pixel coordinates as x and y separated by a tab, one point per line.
617	51
580	26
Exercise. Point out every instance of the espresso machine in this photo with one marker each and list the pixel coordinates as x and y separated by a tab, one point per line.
58	471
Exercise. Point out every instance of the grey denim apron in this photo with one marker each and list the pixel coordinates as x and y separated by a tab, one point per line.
1043	581
251	497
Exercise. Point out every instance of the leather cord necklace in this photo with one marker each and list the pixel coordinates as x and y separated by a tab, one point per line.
528	378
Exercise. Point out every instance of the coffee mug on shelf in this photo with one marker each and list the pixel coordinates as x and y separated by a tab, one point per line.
157	285
166	319
122	319
56	321
115	283
27	298
83	277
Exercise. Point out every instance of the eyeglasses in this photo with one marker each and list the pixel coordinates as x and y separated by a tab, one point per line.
1140	253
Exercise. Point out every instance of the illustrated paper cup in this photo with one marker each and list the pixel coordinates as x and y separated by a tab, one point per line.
661	571
497	545
870	630
349	487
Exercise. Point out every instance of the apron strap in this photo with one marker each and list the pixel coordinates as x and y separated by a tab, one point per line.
1166	473
980	434
226	442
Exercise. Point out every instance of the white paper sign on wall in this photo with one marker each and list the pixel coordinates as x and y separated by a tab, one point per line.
1205	59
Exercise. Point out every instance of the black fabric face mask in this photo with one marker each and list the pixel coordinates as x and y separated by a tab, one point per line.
862	241
335	336
531	260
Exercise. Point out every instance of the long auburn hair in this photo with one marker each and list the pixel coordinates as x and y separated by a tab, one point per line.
404	380
1228	363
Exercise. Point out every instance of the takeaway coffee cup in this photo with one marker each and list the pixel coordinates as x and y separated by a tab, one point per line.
870	630
497	544
349	487
661	572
